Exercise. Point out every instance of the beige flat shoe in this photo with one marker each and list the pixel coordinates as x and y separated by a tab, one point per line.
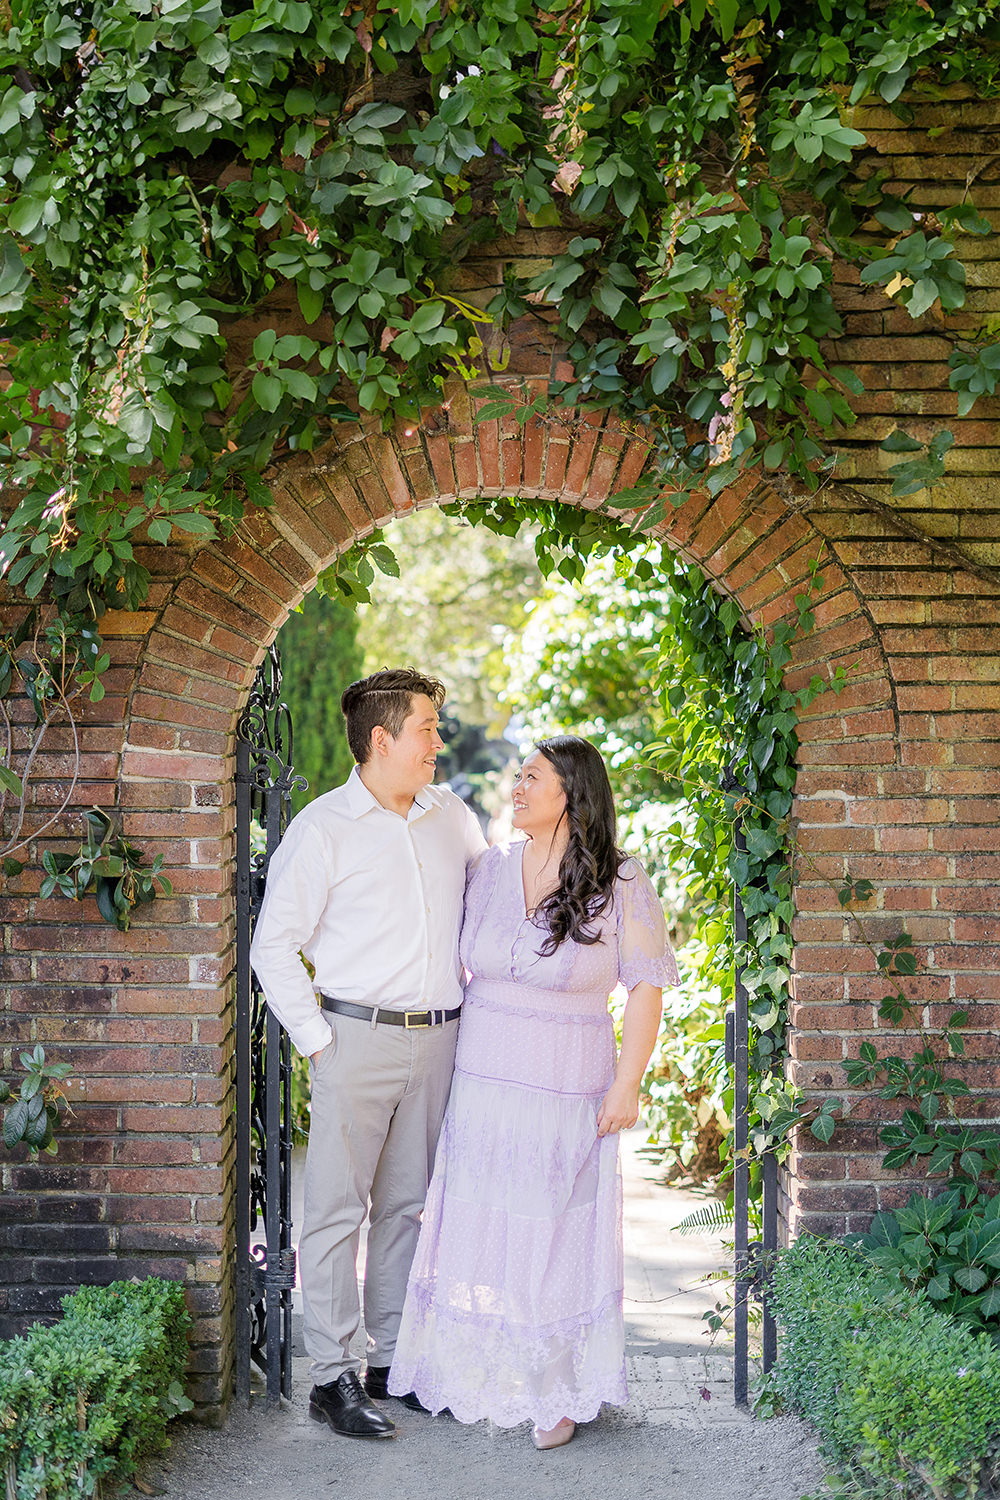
555	1437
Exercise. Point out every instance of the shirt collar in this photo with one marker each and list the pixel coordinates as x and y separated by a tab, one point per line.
360	801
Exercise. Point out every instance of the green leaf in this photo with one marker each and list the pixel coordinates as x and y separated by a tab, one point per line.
299	385
988	1243
427	316
14	1121
267	390
384	559
160	530
177	1398
970	1278
263	344
726	13
105	893
10	782
194	522
823	1127
899	442
310	301
375	117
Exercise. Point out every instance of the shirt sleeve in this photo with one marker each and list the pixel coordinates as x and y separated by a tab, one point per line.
299	877
644	953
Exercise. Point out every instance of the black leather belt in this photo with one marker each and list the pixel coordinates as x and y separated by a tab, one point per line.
413	1020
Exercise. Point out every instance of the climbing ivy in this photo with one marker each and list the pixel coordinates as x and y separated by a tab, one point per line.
728	739
171	169
175	173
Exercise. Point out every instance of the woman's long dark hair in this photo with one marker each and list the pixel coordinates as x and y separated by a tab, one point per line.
590	865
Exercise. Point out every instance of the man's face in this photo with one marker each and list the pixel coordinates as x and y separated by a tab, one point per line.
411	756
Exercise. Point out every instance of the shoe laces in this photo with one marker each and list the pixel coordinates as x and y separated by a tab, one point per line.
350	1386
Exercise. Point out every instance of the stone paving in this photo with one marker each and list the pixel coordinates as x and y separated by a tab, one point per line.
679	1438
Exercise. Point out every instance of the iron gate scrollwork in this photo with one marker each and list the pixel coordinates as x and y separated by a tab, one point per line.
265	1274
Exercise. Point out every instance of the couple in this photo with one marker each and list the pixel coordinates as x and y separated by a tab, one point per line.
506	1301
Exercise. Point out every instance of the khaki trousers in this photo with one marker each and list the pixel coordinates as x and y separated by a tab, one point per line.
378	1099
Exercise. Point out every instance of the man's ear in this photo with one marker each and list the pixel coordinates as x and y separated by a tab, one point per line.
380	740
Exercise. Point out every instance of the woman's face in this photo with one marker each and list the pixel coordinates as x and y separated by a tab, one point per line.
539	800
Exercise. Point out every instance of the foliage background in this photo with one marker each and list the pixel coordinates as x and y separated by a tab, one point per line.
320	655
170	169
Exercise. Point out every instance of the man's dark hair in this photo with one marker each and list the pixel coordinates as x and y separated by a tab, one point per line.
385	698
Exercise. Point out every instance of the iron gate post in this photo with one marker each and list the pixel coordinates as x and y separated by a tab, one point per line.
751	1263
769	1213
265	1276
741	1165
243	1100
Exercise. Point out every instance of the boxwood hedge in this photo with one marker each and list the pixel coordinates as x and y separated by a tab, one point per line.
92	1394
905	1399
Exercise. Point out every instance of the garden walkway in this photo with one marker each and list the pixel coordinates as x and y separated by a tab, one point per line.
680	1438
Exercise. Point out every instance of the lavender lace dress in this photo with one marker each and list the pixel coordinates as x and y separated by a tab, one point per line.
514	1304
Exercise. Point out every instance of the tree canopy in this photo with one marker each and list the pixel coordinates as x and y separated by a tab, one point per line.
320	655
462	590
585	663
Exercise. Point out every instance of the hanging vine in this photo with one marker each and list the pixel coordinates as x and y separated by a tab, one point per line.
170	169
172	172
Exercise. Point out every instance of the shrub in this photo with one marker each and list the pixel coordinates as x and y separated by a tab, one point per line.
92	1394
949	1247
906	1400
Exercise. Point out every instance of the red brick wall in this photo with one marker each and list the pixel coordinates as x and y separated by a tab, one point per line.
899	777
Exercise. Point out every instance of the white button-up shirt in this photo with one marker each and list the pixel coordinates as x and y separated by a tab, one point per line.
374	902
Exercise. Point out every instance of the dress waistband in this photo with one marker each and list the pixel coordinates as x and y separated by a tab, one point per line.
534	1000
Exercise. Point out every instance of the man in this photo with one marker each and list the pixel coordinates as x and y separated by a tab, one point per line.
368	884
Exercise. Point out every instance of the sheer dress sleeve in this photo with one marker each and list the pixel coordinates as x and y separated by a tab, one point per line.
644	954
481	877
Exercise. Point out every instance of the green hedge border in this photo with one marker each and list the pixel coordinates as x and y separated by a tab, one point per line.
906	1400
92	1394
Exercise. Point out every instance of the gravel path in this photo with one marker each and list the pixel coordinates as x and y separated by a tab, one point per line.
680	1437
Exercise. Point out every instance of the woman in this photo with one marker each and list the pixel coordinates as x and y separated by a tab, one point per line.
514	1304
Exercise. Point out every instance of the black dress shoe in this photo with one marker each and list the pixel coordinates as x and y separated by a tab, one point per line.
377	1385
348	1410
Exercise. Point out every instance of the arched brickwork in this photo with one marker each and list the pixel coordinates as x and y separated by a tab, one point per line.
898	782
147	1016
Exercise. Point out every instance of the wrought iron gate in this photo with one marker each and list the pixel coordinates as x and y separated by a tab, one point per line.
752	1257
265	1274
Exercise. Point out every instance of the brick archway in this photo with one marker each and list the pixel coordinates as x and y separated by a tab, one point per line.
224	604
891	782
144	1182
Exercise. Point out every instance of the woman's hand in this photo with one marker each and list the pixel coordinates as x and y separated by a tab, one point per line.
619	1109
